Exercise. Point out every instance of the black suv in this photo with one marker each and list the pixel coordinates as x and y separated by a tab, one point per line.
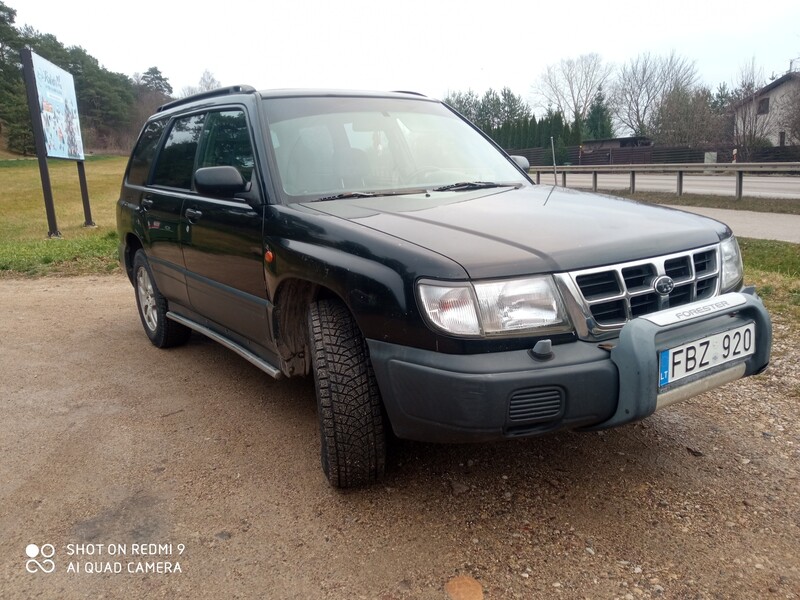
384	244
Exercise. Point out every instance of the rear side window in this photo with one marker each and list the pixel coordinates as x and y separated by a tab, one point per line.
142	158
226	142
176	161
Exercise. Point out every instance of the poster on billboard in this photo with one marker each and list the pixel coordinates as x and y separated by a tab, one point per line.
53	108
59	110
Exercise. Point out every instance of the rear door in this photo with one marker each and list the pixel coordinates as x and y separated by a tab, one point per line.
161	201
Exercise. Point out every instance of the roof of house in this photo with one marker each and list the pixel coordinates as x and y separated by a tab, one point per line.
789	76
779	82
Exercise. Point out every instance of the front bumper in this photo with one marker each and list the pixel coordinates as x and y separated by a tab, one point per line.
430	396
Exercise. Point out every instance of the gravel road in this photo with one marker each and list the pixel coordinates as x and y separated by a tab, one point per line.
110	445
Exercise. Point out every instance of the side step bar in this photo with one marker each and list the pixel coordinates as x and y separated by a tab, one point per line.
268	368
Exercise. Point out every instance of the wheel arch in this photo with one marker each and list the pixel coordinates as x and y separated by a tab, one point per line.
289	321
371	292
132	245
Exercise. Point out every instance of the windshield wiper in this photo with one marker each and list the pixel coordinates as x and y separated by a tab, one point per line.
345	195
471	185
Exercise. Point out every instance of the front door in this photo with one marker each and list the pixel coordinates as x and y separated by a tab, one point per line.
222	238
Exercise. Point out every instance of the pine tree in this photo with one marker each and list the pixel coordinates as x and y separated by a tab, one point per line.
598	121
154	80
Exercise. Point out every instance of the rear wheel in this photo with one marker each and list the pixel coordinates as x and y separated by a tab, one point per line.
351	419
163	332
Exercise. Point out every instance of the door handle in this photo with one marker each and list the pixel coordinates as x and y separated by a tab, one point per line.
192	214
146	203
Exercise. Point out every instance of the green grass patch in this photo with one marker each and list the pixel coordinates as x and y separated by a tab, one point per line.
78	256
768	205
24	247
782	258
774	268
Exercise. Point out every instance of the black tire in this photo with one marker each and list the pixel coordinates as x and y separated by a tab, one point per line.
351	418
163	332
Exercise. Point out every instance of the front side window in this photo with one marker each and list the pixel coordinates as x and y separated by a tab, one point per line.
332	145
226	142
176	161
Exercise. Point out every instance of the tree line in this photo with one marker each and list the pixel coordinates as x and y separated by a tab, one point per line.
658	97
509	121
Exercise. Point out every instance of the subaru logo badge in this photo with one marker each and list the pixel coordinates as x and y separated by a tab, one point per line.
664	285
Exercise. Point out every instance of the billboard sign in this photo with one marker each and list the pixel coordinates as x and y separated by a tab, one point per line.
58	108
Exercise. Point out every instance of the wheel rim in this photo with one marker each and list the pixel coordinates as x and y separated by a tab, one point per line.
147	299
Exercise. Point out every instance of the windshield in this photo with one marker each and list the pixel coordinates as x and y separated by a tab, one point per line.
328	147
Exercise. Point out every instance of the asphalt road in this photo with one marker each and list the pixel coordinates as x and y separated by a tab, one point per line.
773	186
768	226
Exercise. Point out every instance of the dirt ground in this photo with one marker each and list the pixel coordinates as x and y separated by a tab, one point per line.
108	442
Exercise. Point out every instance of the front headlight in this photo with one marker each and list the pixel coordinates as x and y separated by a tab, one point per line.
732	270
519	306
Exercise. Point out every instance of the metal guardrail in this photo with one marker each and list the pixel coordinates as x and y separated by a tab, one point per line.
738	169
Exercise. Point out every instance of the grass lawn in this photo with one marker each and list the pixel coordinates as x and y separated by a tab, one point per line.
769	205
24	246
774	268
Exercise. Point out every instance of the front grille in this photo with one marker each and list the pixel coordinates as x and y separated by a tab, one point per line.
678	268
612	295
639	277
705	262
599	285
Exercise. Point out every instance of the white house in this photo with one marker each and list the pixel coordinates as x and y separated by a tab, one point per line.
766	114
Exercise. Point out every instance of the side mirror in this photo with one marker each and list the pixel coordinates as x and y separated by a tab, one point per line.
220	181
522	162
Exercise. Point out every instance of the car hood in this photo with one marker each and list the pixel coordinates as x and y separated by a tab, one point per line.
535	229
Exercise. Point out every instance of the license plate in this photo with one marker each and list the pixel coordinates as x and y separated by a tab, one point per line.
705	353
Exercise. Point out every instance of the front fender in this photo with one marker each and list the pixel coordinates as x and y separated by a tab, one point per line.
375	294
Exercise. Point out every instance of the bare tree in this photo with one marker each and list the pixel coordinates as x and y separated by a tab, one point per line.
687	117
207	83
570	86
790	115
643	84
791	121
753	114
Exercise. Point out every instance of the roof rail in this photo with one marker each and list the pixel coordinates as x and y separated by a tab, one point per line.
409	92
225	91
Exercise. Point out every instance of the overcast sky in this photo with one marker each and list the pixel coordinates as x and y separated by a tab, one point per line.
429	46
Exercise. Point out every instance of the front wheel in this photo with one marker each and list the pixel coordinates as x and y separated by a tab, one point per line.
351	418
163	332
